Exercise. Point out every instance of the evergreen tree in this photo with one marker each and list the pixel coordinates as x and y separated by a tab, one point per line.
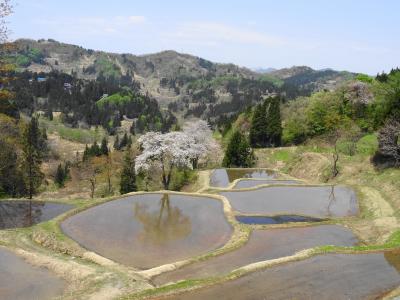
116	143
258	130
274	123
59	178
32	145
128	176
124	141
132	128
238	153
104	147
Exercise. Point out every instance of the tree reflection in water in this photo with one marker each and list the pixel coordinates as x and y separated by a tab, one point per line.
163	226
15	214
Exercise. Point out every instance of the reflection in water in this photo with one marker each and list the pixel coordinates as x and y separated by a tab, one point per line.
167	225
14	214
222	177
393	258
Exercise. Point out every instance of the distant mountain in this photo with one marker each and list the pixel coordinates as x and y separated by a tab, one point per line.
264	70
183	83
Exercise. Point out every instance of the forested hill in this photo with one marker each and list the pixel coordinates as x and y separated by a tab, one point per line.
186	84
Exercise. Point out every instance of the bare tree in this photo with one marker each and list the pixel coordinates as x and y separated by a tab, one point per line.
389	140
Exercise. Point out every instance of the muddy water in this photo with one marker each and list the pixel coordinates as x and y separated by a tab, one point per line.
223	177
19	280
149	230
333	276
316	201
253	220
263	245
248	183
14	214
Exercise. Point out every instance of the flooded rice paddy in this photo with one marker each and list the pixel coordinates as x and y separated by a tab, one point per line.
249	183
264	245
315	201
263	220
19	280
331	276
149	230
223	177
15	214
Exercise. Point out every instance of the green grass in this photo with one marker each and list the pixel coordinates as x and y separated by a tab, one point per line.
367	145
84	136
282	155
274	80
116	99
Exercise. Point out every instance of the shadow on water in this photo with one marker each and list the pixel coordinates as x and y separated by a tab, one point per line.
149	230
16	214
275	220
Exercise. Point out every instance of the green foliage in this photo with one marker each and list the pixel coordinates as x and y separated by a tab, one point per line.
364	78
62	174
266	128
180	178
33	145
368	144
274	80
108	69
238	152
116	99
128	175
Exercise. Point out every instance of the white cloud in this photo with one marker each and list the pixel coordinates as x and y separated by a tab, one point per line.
218	33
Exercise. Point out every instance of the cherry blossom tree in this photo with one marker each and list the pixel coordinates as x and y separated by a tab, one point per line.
389	140
178	149
166	152
204	145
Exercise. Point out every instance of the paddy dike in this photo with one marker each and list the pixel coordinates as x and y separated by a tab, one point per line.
263	245
331	276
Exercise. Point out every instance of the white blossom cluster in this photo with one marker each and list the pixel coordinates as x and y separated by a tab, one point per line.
175	149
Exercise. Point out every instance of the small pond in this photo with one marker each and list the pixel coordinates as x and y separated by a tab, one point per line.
249	183
331	276
15	213
19	280
149	230
223	177
263	245
315	201
254	220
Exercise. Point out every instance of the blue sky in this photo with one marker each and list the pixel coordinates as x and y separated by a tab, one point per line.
355	35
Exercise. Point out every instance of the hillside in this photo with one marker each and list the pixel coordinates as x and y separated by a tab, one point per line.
186	84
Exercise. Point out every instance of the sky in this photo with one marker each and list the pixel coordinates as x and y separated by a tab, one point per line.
354	35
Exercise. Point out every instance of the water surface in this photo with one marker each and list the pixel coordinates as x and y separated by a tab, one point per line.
331	276
19	280
223	177
264	245
249	183
149	230
315	201
15	213
253	220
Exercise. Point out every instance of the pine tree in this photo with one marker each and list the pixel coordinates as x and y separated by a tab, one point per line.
274	124
59	178
128	176
104	147
238	153
258	135
116	143
124	141
132	128
32	145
